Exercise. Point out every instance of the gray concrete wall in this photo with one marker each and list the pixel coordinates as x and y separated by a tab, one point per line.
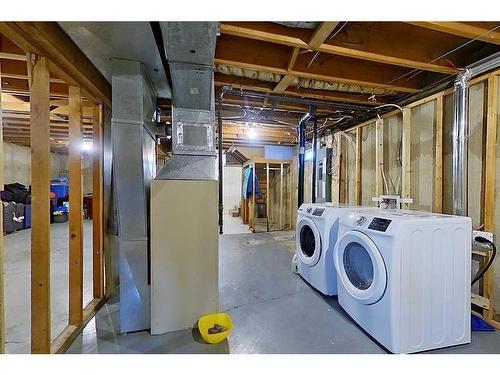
17	164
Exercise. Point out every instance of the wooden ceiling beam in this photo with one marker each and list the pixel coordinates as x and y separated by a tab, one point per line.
466	30
66	60
321	33
268	57
246	30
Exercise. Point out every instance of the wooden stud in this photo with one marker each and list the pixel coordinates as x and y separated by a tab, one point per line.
97	205
76	208
490	179
379	157
358	165
2	309
342	171
281	213
406	156
267	196
40	206
438	152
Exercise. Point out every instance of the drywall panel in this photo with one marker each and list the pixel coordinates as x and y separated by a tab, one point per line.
184	253
231	189
368	165
422	157
251	152
349	144
393	127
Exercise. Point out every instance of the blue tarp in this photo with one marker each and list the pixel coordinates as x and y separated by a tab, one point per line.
248	184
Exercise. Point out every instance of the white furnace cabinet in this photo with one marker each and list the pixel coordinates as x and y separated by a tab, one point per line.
184	253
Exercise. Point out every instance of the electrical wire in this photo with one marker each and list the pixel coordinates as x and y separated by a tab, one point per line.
493	247
333	36
437	58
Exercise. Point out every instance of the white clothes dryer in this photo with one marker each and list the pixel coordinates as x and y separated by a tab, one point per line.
316	234
404	277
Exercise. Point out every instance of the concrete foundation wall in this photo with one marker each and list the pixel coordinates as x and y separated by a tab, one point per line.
17	164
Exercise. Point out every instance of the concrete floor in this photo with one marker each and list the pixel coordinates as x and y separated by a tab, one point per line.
273	311
233	225
17	247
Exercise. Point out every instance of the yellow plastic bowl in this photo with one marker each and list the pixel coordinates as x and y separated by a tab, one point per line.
208	321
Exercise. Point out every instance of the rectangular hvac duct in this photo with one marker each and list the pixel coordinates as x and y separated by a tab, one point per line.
184	250
134	101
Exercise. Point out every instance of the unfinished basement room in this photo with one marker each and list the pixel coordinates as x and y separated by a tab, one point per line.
241	184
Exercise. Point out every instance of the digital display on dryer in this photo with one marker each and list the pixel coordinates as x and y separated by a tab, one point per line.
379	224
318	211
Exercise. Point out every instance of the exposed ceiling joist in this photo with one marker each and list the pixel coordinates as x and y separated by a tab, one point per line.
370	54
322	32
462	29
67	61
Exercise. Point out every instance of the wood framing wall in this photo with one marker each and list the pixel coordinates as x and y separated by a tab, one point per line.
416	157
85	84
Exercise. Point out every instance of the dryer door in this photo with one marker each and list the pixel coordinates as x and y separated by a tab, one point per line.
308	241
360	267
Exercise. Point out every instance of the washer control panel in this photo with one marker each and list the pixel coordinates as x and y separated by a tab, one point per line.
318	211
379	224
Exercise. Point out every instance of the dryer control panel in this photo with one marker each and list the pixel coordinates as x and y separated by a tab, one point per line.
379	224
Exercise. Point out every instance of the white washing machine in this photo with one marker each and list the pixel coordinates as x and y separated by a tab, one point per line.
404	277
316	234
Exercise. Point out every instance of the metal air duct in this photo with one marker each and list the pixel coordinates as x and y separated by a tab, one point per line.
461	130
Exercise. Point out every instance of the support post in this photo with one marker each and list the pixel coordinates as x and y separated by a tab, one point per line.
76	207
40	204
490	181
406	156
219	137
379	157
281	197
358	165
267	197
2	309
438	149
97	204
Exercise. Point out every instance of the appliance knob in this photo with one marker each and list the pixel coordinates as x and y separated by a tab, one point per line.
360	220
309	209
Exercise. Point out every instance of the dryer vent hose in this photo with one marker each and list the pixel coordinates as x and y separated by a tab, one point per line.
481	273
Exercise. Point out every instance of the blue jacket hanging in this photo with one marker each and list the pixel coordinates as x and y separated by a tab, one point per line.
249	185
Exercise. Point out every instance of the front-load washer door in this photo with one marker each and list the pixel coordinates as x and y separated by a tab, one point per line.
360	267
308	242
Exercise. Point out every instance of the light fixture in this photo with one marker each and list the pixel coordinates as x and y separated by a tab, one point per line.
87	146
251	133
